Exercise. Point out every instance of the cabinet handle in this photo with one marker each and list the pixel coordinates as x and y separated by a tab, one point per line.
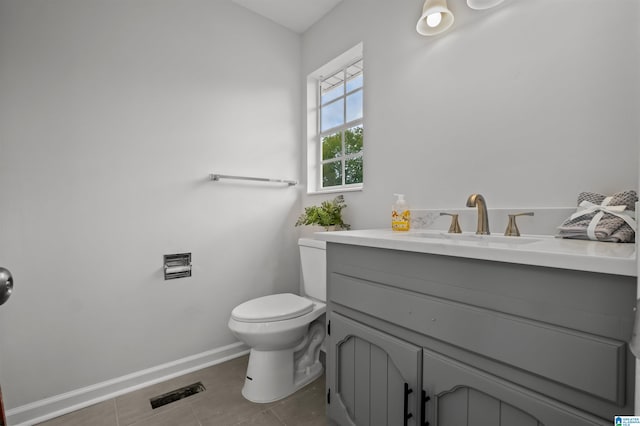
407	415
423	408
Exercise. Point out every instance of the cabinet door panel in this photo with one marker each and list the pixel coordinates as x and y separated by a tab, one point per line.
512	416
367	371
380	384
452	409
394	393
346	356
483	410
362	378
462	395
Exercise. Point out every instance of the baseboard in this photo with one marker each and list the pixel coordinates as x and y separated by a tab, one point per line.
45	409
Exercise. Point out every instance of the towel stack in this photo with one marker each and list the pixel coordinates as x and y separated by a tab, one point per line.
602	218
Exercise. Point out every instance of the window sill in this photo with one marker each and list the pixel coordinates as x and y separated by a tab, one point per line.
335	190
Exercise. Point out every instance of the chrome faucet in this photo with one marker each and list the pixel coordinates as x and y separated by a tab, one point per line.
477	200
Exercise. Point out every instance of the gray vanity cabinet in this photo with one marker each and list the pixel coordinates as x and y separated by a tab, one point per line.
478	343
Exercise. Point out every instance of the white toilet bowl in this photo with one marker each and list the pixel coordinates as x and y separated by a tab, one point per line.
285	331
285	337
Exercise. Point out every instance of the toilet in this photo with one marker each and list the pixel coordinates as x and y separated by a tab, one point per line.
285	331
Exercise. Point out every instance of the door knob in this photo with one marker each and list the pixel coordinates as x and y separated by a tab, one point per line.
6	285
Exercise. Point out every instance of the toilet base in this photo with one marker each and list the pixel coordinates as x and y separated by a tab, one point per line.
271	376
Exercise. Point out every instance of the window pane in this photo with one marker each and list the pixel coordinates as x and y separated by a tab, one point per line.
354	76
354	84
354	106
353	140
332	87
332	94
332	146
332	115
332	174
353	171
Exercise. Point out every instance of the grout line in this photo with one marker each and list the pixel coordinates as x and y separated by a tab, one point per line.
158	414
273	413
268	408
193	412
276	415
115	407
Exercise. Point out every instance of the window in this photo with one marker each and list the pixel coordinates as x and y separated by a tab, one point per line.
340	109
335	147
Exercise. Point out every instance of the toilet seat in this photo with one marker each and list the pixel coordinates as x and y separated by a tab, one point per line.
276	307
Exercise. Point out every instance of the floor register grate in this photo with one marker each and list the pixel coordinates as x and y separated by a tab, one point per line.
175	395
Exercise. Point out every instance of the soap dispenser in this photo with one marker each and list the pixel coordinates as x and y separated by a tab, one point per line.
400	214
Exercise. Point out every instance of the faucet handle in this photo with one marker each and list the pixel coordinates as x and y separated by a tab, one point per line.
512	227
454	228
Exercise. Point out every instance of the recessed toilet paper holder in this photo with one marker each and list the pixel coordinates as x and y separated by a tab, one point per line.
177	265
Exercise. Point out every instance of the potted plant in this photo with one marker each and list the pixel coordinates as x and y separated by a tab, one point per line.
328	215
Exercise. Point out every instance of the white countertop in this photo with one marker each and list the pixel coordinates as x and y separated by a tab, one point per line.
592	256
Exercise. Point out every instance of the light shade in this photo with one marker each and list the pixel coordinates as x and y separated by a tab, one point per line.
436	18
483	4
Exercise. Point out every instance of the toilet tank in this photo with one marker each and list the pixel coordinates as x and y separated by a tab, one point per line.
313	262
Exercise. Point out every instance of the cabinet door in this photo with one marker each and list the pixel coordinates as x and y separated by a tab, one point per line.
461	395
373	378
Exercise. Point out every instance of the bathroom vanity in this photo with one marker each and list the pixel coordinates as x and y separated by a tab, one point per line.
430	329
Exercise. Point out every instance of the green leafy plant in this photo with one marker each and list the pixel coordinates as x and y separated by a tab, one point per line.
328	213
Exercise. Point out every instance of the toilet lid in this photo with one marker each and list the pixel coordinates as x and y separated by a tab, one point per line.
276	307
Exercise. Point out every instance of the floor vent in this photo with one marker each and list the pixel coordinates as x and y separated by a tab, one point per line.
175	395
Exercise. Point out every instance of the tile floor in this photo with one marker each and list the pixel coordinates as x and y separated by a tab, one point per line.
221	404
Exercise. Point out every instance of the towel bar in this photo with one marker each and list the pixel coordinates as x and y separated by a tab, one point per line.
217	177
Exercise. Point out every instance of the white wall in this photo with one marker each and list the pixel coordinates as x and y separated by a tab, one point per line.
528	103
112	115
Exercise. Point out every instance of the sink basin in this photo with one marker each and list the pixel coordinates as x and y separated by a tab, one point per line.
467	236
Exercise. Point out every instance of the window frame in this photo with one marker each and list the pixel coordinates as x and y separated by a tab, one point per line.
314	135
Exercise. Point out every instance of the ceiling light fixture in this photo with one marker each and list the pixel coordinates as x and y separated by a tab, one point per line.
483	4
436	18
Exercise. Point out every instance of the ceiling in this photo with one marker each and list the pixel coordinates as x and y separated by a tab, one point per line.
297	15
